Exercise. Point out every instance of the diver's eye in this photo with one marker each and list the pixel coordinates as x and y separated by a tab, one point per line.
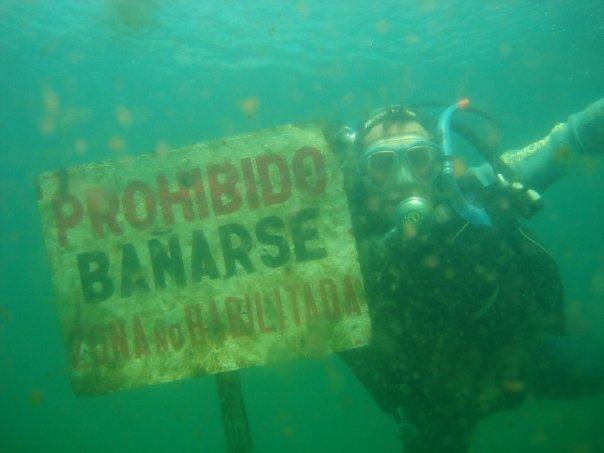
381	165
421	158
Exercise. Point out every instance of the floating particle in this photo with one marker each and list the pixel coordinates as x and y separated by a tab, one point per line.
597	282
505	49
431	261
123	115
563	155
411	39
539	437
297	95
50	100
5	314
583	448
317	86
504	204
459	167
288	432
250	105
81	146
47	125
36	398
428	5
116	143
161	148
303	9
409	231
348	98
139	14
382	27
577	315
591	165
513	386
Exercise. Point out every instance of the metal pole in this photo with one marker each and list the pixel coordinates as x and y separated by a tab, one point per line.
234	417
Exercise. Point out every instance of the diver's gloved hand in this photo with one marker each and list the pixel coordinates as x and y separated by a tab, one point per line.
587	128
516	196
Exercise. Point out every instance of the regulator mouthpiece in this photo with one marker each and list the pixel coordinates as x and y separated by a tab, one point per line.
414	217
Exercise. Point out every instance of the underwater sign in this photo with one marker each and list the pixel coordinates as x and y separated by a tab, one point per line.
217	256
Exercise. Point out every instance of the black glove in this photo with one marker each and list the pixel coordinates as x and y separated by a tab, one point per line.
517	197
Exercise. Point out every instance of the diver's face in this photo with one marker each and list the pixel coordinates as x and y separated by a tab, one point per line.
398	161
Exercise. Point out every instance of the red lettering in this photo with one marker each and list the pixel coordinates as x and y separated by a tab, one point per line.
62	220
294	300
318	173
177	339
332	308
217	328
130	205
270	194
233	306
76	343
97	342
222	179
180	196
260	314
200	194
350	297
311	311
103	205
166	337
195	325
250	185
119	339
161	341
141	344
279	306
249	314
238	324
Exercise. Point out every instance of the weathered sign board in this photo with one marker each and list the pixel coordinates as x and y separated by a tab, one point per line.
213	257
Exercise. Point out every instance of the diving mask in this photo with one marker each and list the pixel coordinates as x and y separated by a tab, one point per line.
398	160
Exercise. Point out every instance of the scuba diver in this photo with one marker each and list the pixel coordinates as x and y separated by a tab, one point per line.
466	306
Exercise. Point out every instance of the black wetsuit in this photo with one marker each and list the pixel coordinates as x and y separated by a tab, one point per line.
460	325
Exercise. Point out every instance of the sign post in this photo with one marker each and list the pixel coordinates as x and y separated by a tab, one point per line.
206	259
232	408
